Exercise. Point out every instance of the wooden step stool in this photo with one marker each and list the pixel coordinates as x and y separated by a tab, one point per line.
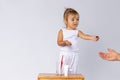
52	76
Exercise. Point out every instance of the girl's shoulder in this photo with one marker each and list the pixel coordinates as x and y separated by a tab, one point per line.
62	29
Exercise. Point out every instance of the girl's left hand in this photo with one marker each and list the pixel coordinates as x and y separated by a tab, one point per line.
95	38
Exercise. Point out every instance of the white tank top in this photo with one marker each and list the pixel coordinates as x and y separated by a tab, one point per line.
72	36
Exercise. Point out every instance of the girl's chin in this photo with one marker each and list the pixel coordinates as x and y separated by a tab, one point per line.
74	27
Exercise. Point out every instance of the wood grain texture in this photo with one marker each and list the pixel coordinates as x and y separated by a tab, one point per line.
52	76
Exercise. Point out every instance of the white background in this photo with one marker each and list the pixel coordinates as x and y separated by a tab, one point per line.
28	34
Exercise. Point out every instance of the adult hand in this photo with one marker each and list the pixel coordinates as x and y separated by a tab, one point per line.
111	55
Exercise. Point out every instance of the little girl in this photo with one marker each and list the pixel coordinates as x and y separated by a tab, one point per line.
68	41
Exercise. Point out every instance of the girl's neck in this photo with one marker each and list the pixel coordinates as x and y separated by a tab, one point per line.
68	28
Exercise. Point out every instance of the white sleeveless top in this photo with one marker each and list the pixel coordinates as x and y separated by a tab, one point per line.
72	36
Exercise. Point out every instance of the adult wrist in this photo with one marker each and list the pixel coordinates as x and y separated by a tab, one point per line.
118	57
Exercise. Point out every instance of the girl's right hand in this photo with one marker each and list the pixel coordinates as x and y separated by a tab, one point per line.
68	43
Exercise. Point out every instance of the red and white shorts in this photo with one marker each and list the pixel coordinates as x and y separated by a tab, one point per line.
70	59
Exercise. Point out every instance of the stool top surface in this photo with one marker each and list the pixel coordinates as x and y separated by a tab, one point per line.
55	76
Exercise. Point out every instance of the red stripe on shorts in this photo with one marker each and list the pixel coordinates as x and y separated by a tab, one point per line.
61	64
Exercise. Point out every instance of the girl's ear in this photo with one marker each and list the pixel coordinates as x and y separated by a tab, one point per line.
65	21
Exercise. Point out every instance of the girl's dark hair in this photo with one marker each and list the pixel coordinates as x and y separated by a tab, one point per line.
69	11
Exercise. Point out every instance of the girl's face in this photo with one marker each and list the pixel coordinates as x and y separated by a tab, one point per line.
72	21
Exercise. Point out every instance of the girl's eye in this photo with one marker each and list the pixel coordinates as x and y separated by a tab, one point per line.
77	19
72	19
